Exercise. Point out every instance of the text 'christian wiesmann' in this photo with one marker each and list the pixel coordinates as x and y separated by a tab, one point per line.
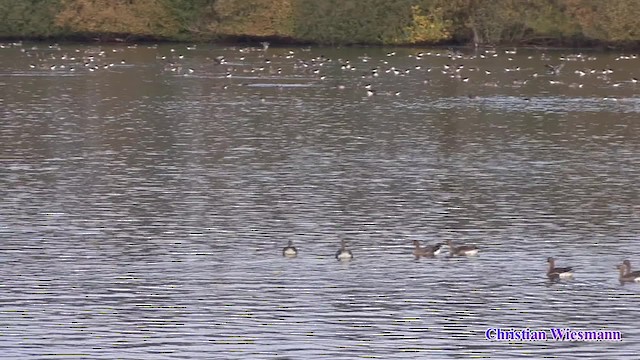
554	334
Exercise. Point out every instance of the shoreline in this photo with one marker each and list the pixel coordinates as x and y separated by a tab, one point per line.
278	43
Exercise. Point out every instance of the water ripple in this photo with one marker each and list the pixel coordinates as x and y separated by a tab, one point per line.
145	208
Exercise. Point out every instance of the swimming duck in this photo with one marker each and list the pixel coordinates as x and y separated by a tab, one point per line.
625	276
290	250
344	254
462	250
555	273
427	251
627	265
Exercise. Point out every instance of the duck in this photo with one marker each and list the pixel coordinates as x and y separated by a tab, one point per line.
344	254
427	251
555	273
462	250
625	276
627	265
290	250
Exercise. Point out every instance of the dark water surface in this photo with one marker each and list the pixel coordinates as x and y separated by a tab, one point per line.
147	193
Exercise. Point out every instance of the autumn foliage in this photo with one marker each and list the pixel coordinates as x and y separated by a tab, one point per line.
480	22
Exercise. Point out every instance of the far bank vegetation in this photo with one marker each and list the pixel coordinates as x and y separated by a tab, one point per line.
330	22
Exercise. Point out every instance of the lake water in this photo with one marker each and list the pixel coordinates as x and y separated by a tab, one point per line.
148	191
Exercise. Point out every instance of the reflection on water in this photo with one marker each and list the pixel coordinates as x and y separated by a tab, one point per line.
148	193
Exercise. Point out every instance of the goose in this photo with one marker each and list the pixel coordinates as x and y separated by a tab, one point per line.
627	277
290	250
427	251
344	254
555	273
627	265
462	250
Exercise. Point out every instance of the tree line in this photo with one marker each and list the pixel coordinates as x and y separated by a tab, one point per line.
330	22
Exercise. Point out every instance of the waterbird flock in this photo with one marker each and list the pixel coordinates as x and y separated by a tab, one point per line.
243	66
249	64
430	251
